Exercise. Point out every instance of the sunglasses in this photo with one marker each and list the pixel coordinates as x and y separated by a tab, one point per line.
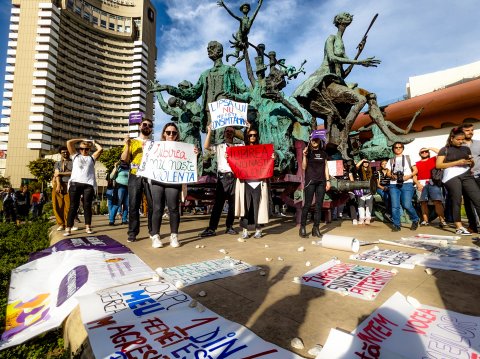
396	147
171	133
424	151
84	149
252	135
147	125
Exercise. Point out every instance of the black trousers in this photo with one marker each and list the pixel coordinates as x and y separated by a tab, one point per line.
75	192
317	189
464	183
252	205
165	194
137	186
470	209
224	191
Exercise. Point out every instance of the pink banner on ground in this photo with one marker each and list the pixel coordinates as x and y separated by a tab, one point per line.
251	162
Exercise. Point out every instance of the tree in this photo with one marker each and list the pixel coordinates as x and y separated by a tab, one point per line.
110	157
42	169
5	182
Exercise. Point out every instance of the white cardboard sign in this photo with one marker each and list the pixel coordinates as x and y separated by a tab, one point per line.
169	162
388	257
226	112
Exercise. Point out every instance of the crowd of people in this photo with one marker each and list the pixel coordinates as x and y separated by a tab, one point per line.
437	184
20	206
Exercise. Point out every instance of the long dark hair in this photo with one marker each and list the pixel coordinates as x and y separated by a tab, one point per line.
257	139
453	133
162	136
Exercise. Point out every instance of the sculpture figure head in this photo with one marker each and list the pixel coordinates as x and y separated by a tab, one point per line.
344	18
245	8
214	50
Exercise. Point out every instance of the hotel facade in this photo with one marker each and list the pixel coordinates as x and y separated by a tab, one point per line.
74	69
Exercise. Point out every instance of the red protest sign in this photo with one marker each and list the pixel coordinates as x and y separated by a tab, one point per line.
251	162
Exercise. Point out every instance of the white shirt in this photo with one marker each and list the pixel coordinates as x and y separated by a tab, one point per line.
398	167
83	170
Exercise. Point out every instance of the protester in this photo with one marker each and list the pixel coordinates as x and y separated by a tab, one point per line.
252	196
9	205
38	200
474	146
82	181
401	187
119	177
383	188
317	181
166	193
137	186
60	196
23	203
456	162
364	196
427	190
225	189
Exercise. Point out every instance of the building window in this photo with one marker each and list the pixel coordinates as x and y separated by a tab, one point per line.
94	20
111	26
128	29
86	16
78	10
103	23
119	28
70	4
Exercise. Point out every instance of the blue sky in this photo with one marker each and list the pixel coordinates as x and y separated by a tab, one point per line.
411	37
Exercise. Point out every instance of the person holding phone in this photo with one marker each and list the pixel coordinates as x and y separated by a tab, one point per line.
82	181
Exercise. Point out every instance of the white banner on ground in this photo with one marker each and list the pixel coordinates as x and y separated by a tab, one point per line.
417	244
226	112
402	327
194	273
388	257
169	162
460	258
348	279
153	319
43	292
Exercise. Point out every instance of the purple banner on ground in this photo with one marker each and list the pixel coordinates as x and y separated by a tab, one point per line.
99	243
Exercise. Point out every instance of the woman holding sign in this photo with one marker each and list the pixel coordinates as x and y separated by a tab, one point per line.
165	193
317	181
251	197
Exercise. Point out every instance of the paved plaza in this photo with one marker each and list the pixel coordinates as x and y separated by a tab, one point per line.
273	306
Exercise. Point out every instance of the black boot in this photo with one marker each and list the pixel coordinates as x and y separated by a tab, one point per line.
303	232
316	232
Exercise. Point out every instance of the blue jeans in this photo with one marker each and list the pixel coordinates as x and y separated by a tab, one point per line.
386	199
121	206
401	197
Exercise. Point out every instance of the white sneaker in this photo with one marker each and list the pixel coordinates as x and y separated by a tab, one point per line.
245	234
354	222
258	234
361	221
174	240
74	228
156	241
463	231
60	228
367	220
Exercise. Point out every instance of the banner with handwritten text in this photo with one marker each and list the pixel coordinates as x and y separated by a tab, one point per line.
43	292
226	112
251	162
153	319
205	271
348	279
403	328
169	162
388	257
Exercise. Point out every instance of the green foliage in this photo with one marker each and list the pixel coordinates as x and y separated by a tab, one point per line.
103	207
16	243
110	157
42	169
4	182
